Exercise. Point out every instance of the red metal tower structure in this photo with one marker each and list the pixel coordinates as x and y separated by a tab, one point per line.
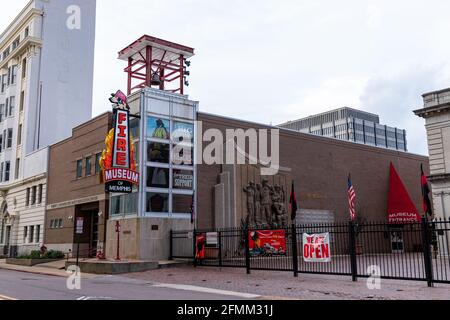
154	62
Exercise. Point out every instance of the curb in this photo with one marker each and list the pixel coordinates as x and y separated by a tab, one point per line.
32	271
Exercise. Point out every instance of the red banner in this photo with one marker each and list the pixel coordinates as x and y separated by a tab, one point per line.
267	242
401	209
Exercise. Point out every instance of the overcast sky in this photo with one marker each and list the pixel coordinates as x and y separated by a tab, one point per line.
274	61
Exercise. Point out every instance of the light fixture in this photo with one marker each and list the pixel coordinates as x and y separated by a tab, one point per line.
187	73
156	80
188	63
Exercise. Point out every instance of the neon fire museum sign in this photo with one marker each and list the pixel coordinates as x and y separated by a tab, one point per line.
117	162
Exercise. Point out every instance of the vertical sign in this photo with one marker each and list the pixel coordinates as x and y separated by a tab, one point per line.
117	161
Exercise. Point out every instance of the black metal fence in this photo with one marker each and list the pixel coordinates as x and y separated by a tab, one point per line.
418	251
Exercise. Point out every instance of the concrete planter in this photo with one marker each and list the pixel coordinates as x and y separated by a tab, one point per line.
113	267
29	262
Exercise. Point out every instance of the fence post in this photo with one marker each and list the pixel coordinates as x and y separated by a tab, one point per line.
352	249
219	234
194	236
294	250
247	250
171	245
426	252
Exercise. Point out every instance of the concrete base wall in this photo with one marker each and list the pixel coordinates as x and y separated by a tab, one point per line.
143	238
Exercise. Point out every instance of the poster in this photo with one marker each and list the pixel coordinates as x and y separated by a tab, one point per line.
80	225
200	243
267	243
316	247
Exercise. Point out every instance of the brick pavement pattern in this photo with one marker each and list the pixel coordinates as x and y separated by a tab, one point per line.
282	285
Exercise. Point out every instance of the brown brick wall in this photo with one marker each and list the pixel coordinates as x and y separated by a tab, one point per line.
87	139
320	167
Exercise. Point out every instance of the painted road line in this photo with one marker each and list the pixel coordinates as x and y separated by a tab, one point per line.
207	290
6	298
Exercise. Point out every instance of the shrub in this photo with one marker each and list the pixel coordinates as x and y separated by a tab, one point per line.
52	254
35	254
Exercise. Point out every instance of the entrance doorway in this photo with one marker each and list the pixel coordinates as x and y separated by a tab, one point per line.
89	238
397	242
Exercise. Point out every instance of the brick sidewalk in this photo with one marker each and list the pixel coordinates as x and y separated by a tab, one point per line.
283	285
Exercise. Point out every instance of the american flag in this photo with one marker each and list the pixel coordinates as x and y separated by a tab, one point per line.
351	199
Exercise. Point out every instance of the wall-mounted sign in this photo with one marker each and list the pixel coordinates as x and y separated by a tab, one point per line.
267	242
183	181
212	239
316	247
118	164
80	225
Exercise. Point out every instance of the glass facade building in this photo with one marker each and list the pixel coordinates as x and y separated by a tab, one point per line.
351	125
164	138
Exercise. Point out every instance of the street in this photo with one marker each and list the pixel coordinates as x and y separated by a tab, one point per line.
27	286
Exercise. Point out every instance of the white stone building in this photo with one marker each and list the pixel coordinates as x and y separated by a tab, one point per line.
46	79
436	112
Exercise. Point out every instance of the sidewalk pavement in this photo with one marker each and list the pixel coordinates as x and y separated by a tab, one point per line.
47	270
283	285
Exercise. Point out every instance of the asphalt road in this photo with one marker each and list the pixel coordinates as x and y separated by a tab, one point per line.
27	286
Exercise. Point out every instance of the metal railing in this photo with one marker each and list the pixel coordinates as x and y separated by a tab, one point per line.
418	251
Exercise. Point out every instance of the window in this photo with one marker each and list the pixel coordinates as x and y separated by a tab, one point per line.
7	170
158	128
16	42
39	199
27	198
79	168
88	166
4	139
25	234
5	53
158	152
12	105
2	111
17	169
19	135
31	235
56	223
33	195
134	128
157	178
22	98
157	202
38	234
24	68
97	162
14	74
3	87
1	143
27	31
10	137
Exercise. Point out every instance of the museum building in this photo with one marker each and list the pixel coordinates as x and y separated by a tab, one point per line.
193	193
